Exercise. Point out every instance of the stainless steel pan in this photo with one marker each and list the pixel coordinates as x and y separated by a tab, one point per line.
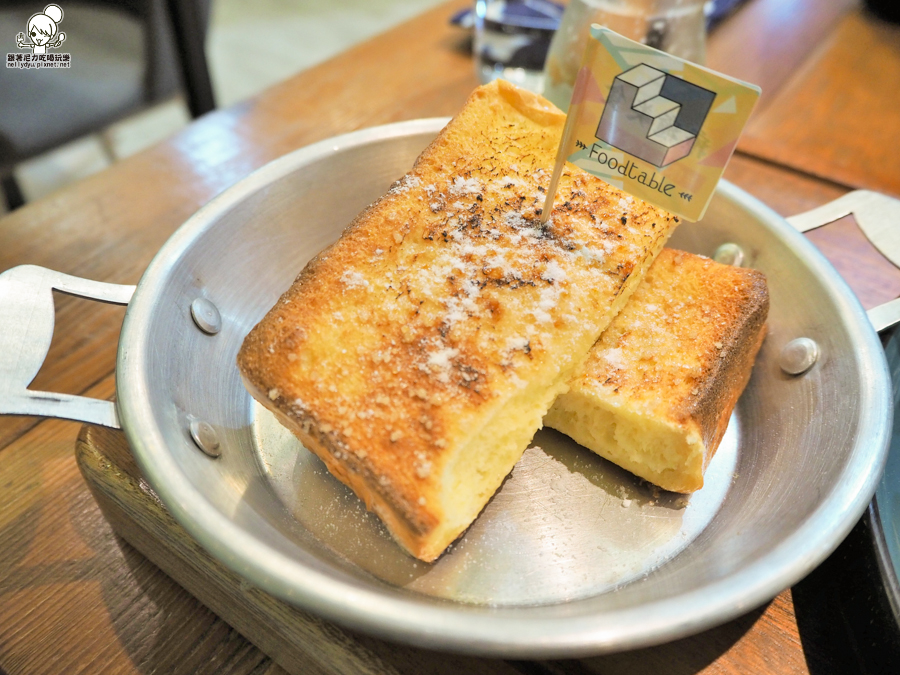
573	556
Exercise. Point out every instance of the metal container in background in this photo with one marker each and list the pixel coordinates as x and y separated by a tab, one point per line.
677	27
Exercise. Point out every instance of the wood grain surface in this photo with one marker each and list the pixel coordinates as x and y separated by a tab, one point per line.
837	112
74	597
767	39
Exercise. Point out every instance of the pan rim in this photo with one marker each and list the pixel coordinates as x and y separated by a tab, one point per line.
513	632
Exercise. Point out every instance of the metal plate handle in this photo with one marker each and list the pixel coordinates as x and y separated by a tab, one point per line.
878	216
27	315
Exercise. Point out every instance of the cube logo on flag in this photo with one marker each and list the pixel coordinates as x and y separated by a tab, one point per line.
653	115
656	126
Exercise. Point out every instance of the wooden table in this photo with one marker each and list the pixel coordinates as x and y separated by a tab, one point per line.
75	598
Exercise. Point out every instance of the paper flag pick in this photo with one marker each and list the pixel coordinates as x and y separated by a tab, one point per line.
656	126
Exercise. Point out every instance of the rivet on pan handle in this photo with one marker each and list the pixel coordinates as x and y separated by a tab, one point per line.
878	216
27	315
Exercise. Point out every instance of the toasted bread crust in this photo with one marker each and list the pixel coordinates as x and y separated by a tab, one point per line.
678	356
727	371
441	304
406	524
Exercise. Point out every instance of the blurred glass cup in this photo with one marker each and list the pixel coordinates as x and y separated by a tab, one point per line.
674	26
512	38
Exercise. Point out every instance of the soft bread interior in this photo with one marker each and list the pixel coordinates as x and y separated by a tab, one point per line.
659	386
488	456
647	447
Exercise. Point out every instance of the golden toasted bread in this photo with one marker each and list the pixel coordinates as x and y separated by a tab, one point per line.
418	355
659	386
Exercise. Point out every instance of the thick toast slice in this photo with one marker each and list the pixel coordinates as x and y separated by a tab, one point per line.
659	386
418	355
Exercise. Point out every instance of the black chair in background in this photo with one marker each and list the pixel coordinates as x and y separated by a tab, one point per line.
125	56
